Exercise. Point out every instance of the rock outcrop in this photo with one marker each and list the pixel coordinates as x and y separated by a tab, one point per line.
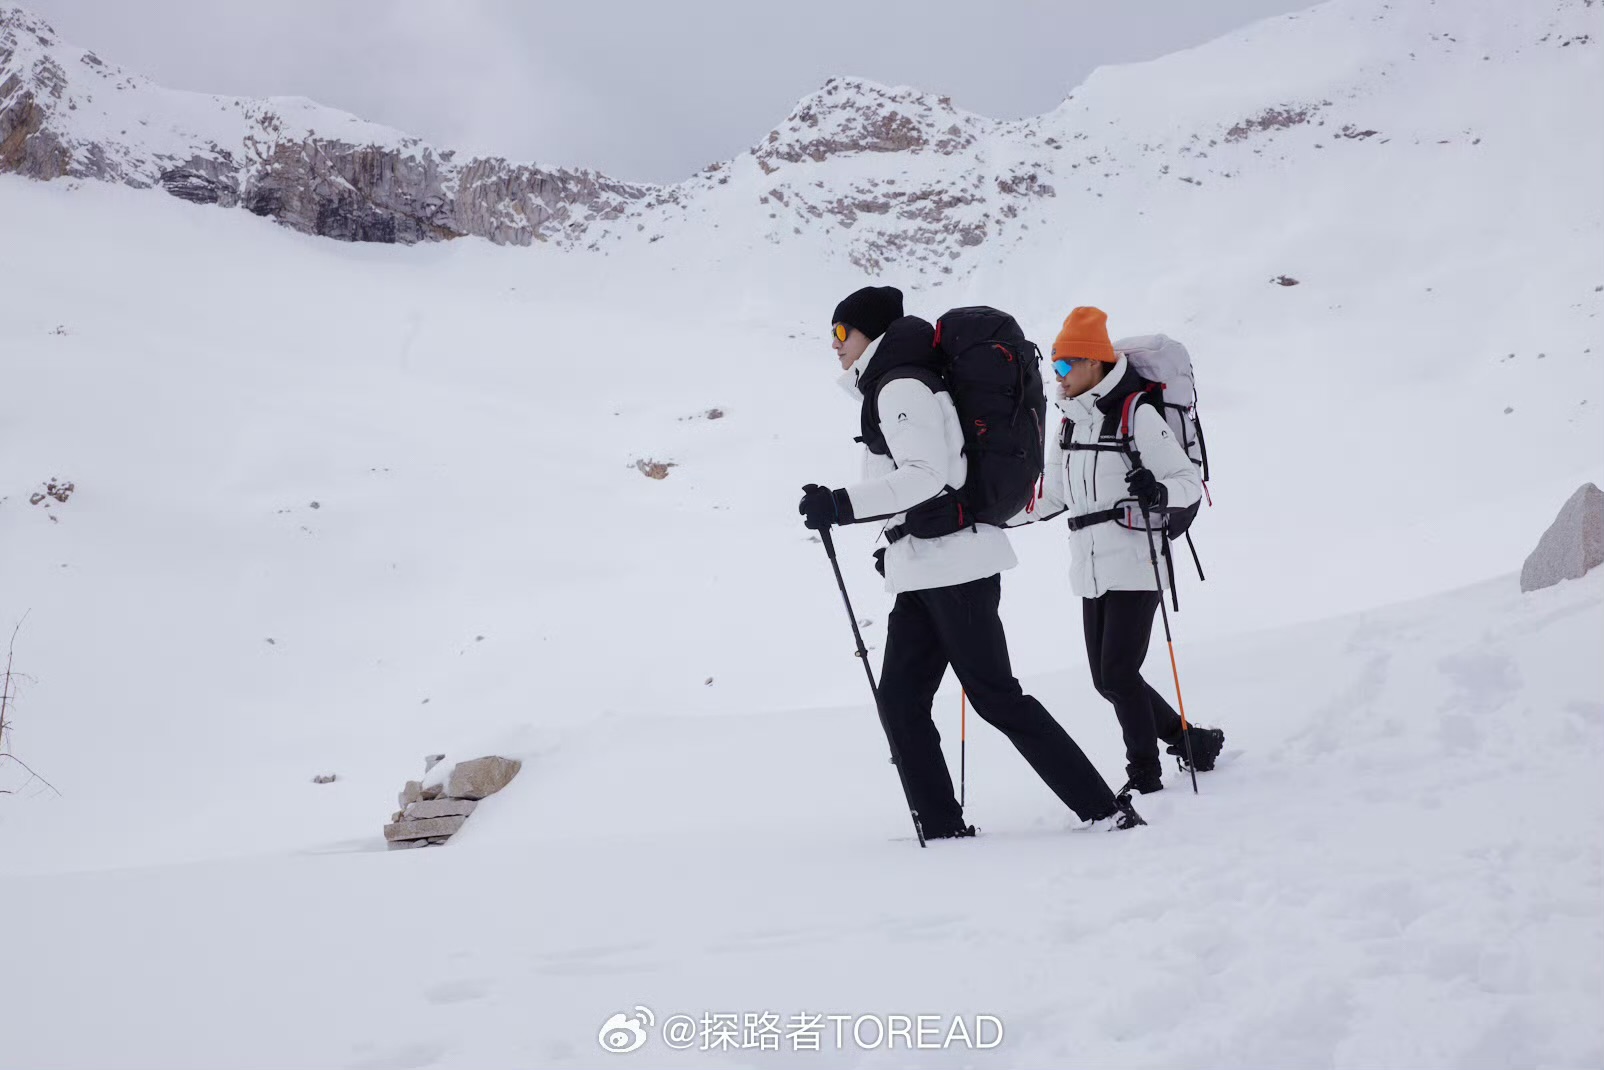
1572	546
435	808
850	115
66	113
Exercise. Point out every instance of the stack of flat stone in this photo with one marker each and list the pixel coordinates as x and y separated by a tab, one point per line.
433	809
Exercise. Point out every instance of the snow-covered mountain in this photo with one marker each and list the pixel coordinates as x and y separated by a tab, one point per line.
894	178
65	112
274	506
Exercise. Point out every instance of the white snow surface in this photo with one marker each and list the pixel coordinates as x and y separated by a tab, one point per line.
1398	863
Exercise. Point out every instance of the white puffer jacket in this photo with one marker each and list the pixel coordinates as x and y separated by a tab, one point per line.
924	436
1108	556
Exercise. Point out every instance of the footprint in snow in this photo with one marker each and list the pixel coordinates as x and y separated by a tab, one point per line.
457	992
594	961
406	1057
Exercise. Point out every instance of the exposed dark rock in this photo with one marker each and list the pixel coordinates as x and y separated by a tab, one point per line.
195	187
1271	119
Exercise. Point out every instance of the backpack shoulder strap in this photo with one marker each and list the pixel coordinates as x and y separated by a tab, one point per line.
1121	425
930	377
1117	434
869	429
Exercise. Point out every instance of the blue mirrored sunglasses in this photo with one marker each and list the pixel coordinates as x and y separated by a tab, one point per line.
1064	367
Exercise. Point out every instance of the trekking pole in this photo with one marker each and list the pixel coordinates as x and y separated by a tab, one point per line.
963	743
863	655
1169	641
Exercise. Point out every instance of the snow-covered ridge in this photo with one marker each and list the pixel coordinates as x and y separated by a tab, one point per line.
895	179
65	112
882	176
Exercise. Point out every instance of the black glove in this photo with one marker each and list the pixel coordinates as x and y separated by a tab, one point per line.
821	507
880	560
1149	493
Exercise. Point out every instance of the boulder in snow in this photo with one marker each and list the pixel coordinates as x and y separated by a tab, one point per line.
481	777
1571	546
410	794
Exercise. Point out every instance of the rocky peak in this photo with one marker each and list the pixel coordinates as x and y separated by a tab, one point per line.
848	115
18	23
27	72
65	112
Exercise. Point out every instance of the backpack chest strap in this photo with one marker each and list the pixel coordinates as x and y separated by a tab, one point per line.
1078	523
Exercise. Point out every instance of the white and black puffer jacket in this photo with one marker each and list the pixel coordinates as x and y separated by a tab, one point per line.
1109	556
925	458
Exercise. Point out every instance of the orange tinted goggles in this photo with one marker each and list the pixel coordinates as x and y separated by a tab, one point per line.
840	330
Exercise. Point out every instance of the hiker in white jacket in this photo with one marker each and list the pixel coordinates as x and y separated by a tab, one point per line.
1105	488
948	586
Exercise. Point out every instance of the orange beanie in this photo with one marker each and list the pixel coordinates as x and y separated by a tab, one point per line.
1085	334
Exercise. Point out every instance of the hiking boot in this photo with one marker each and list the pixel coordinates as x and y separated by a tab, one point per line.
961	833
1206	746
1123	817
1142	781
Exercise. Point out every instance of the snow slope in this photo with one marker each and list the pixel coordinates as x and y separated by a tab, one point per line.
1400	867
1403	869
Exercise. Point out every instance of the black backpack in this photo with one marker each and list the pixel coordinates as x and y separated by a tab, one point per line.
993	373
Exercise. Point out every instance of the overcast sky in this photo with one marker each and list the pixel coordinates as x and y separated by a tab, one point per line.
641	90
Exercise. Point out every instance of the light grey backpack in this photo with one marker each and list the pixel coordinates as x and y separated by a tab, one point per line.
1161	359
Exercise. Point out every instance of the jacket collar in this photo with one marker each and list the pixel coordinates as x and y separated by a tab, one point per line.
851	381
848	382
1096	402
909	340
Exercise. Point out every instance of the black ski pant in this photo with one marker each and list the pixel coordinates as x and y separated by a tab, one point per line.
958	625
1119	625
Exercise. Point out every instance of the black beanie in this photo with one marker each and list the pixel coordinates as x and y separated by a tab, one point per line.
871	310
